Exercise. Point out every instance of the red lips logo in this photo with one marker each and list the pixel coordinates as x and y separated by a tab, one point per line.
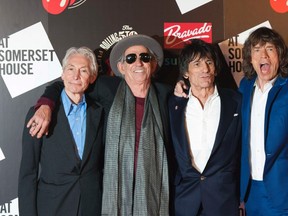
280	6
58	6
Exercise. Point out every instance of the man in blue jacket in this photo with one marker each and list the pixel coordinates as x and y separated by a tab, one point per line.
264	168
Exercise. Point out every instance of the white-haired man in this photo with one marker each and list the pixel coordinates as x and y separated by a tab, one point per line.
69	182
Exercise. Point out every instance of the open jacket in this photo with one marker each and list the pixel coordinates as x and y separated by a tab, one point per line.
275	175
217	188
64	180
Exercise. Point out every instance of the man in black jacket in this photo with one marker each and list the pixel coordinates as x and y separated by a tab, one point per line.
71	157
137	152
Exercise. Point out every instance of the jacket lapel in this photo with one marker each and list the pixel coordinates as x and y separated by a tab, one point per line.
271	96
228	110
93	119
178	117
246	110
68	144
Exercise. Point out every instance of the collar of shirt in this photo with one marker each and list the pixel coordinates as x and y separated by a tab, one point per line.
213	95
267	86
71	107
193	99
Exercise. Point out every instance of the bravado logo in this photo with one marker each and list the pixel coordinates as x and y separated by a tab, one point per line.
176	34
58	6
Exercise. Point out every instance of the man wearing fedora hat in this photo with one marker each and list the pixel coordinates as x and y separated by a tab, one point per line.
137	145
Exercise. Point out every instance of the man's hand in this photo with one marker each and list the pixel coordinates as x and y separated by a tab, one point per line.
179	89
242	209
39	123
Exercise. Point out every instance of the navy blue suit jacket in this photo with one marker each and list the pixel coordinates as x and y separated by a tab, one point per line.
275	175
217	188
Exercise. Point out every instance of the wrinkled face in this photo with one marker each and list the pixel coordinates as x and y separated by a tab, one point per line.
77	75
138	72
265	62
201	73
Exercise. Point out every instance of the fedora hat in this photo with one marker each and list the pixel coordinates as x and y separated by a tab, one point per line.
134	40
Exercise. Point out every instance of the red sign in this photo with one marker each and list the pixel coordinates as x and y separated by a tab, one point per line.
177	34
58	6
280	6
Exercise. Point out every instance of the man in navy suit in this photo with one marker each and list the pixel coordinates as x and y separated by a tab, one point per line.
71	157
206	130
264	163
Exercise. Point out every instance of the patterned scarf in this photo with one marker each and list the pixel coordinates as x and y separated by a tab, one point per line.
150	196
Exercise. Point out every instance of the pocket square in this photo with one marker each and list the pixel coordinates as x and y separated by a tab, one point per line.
235	114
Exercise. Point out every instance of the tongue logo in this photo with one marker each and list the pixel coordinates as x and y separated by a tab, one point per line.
58	6
280	6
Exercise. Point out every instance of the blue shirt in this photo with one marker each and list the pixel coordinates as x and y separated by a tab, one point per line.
76	115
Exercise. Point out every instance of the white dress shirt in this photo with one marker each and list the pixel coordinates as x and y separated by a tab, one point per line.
202	125
257	147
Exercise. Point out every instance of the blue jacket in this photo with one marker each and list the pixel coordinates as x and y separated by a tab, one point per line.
275	175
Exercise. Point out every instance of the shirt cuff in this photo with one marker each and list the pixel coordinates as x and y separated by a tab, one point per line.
44	101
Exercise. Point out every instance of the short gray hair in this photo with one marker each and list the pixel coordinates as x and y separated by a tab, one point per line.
86	52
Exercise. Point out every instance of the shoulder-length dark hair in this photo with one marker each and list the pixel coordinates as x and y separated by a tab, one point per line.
261	36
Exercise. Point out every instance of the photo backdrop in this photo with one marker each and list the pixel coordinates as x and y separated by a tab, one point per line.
35	34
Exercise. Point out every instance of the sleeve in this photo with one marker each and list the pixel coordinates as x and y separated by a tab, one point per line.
104	89
104	86
28	174
51	95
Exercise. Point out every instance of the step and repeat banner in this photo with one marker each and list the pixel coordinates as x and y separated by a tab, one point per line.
34	35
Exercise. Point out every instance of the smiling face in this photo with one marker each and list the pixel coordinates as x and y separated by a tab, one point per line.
77	76
265	61
138	72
